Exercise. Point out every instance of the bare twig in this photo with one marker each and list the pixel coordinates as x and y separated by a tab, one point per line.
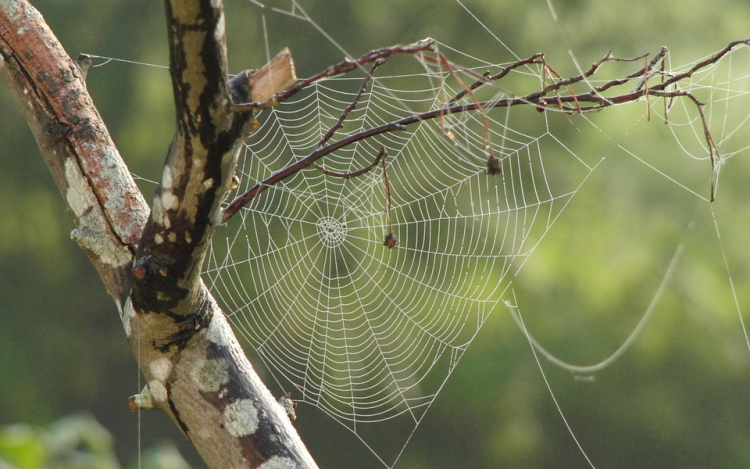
487	78
353	104
353	174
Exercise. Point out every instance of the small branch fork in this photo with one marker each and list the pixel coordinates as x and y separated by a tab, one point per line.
555	93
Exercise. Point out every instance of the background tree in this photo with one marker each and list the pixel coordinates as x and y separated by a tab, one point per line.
534	422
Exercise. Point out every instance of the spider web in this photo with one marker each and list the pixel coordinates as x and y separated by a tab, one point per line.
370	334
364	332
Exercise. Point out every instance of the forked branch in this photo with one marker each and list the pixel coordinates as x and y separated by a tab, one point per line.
194	367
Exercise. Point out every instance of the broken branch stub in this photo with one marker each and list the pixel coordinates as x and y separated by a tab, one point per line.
274	77
266	83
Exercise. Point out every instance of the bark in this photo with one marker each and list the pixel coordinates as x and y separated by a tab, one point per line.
196	370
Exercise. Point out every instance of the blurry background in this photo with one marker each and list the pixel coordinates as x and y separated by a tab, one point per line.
676	399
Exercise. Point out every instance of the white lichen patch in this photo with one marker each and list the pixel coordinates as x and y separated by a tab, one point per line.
78	196
172	237
208	183
241	418
219	218
127	316
188	238
215	334
158	239
278	462
169	201
158	390
160	369
220	28
210	375
157	207
166	177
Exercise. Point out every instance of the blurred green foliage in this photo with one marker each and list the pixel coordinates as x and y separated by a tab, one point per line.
77	441
676	399
73	442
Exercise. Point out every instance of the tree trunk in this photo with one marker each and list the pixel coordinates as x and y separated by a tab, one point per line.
150	265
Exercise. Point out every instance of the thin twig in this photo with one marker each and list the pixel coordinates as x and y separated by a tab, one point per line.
390	239
352	105
360	172
534	59
443	61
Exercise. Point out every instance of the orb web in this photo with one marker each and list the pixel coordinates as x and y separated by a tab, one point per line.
370	335
367	333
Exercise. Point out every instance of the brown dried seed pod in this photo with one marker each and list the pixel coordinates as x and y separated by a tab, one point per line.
494	166
390	240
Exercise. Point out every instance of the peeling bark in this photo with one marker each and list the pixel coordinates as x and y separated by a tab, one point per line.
196	371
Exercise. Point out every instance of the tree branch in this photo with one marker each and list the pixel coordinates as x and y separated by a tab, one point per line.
551	96
103	200
194	366
196	369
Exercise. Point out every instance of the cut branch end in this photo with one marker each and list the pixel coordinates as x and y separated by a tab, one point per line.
274	77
